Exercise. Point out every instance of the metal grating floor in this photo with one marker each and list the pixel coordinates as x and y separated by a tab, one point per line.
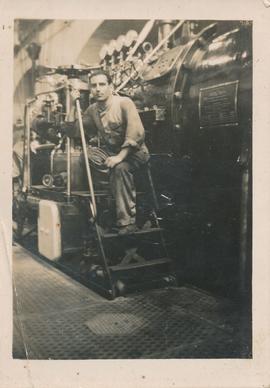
57	318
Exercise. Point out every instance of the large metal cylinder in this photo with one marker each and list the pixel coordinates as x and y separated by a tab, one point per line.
204	91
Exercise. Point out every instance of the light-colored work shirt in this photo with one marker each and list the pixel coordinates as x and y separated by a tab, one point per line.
117	127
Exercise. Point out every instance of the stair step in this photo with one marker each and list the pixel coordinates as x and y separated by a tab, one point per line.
86	194
139	232
149	263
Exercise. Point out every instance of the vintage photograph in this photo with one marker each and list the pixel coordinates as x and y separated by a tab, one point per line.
132	189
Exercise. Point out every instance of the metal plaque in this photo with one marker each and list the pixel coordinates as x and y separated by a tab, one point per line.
218	105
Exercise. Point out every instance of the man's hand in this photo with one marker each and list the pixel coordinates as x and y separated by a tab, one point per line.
34	145
74	94
112	161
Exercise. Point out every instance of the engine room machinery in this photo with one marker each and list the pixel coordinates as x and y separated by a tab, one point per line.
192	86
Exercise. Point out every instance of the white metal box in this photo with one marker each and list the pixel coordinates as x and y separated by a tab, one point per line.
49	230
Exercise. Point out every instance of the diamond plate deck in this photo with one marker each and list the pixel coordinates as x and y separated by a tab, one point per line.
57	318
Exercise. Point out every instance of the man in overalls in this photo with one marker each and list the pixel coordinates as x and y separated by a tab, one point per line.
117	124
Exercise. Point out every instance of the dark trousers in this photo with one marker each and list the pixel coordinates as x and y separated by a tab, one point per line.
123	187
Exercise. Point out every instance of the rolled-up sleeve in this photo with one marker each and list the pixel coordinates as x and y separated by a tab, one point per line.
134	136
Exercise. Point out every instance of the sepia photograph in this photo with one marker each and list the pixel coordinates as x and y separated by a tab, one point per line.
132	189
134	194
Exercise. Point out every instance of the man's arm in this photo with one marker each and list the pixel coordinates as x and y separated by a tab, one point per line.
134	136
112	161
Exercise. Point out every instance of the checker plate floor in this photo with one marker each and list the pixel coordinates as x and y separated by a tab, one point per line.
57	318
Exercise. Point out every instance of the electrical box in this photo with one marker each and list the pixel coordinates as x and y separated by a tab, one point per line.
49	230
60	229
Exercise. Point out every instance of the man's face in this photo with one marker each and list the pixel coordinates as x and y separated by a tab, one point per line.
100	88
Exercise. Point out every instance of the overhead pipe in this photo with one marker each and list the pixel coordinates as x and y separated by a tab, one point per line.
165	27
149	56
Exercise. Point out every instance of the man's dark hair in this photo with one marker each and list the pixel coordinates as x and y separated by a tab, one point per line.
100	72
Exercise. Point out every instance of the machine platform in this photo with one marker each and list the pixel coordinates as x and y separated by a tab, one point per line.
55	317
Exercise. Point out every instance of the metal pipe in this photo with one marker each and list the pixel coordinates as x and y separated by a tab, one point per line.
244	230
56	148
68	168
52	162
68	147
142	36
160	44
88	171
33	77
165	27
152	187
28	139
245	212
